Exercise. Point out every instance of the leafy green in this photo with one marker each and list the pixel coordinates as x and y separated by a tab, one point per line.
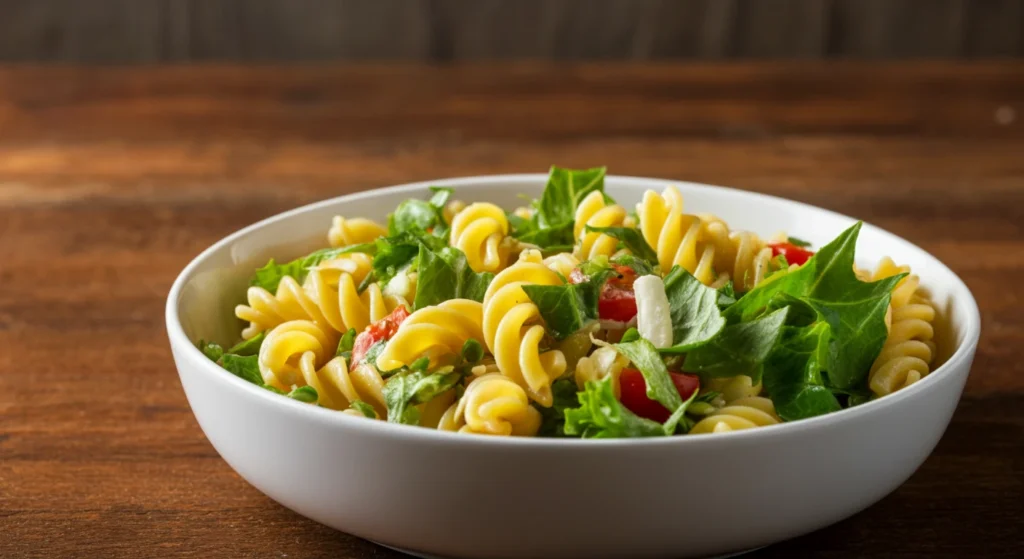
645	357
740	349
553	418
726	295
269	276
212	351
798	242
696	317
472	351
564	191
347	342
363	408
305	394
600	416
440	197
249	347
244	367
567	308
855	310
444	275
632	239
792	372
641	267
415	387
373	353
395	253
412	215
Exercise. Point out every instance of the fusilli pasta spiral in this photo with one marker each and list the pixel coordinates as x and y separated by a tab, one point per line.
346	232
492	405
675	237
433	331
479	230
909	350
515	343
594	212
744	413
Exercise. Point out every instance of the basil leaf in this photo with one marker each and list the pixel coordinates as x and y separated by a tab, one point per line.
567	308
632	239
445	275
696	317
269	276
740	349
249	347
305	394
792	373
855	310
660	387
601	416
246	368
563	192
408	389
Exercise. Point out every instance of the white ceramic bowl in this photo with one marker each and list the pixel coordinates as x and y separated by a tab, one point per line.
451	495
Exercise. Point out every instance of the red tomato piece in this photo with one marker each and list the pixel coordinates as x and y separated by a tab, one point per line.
794	254
616	303
633	393
383	329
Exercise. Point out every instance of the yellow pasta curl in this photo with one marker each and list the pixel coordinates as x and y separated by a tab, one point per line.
345	232
301	353
744	413
593	211
479	230
507	317
740	256
675	237
492	405
433	331
908	351
563	263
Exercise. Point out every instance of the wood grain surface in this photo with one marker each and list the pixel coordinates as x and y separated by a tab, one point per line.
111	180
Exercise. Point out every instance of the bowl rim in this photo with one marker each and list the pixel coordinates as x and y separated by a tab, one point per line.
407	433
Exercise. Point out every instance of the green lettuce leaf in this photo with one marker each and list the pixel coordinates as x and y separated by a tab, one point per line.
410	388
600	416
696	316
855	310
564	191
244	367
630	238
444	274
792	372
740	349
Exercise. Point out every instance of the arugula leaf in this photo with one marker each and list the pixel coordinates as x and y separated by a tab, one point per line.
363	408
244	367
553	418
415	387
563	192
249	347
269	276
854	309
600	416
632	239
641	267
792	373
798	242
305	394
569	307
660	387
740	349
445	275
696	317
212	351
347	342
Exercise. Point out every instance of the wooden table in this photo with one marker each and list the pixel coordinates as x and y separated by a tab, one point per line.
111	180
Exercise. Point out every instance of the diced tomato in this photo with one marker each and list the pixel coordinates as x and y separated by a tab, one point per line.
383	329
616	303
794	254
625	278
633	393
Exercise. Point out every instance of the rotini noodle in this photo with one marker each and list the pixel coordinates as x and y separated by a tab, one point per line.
479	230
515	344
744	413
346	232
675	237
594	212
433	331
492	405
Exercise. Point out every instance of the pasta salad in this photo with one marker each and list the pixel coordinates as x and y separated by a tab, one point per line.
575	316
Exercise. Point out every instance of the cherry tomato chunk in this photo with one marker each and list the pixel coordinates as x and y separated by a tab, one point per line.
383	329
794	254
617	301
633	393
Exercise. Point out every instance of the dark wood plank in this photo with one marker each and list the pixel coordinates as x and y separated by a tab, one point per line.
994	28
111	180
886	29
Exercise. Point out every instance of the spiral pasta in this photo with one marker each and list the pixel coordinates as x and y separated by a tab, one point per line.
493	404
593	211
301	353
507	317
479	230
433	331
676	237
603	362
744	413
908	351
741	256
563	263
346	232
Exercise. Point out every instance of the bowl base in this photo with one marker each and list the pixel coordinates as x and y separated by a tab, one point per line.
426	556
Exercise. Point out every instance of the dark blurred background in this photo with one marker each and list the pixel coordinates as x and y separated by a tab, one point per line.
153	31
